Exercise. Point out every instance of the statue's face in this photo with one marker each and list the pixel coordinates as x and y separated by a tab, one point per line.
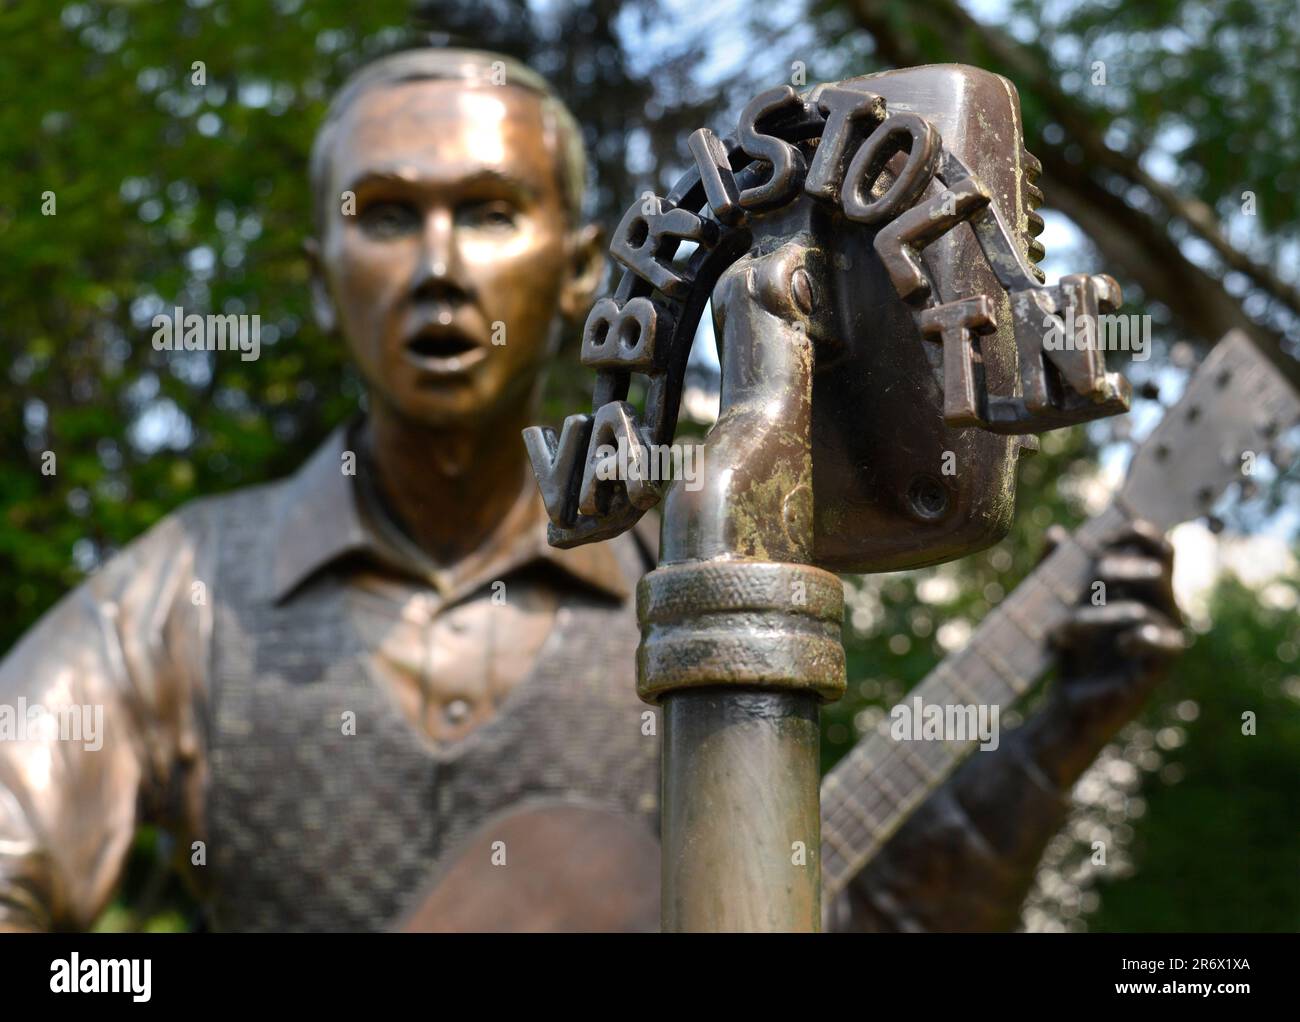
447	278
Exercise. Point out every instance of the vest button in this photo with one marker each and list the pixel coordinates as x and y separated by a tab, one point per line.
456	711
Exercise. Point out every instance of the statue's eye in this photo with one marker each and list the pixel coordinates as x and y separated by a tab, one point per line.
494	214
388	219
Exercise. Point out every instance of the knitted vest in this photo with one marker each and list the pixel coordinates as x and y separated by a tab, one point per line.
310	828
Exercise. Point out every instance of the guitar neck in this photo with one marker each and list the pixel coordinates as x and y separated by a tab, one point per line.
882	780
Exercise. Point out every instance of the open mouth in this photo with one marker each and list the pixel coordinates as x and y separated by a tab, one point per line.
443	351
440	346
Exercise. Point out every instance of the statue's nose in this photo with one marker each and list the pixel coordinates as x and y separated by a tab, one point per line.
438	269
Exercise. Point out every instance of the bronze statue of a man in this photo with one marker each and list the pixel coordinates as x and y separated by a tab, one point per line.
324	685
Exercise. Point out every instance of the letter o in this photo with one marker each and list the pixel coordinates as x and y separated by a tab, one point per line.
870	159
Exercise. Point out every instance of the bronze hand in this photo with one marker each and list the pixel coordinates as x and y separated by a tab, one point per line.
965	860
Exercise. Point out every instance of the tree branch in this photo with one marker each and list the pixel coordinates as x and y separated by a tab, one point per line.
1130	238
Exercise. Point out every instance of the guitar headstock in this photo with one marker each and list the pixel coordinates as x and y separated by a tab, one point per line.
1236	406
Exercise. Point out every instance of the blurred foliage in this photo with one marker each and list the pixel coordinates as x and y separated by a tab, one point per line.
1217	845
1207	84
170	192
1166	130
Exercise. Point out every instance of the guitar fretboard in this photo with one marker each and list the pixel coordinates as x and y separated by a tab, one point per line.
878	784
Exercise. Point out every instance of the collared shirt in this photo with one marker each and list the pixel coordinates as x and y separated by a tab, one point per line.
448	643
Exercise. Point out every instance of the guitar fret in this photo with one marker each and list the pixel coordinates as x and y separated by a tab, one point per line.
1011	645
1046	583
845	836
1000	667
1084	546
868	821
1026	661
1030	629
897	799
1065	594
952	680
924	770
837	789
837	843
837	871
881	804
1094	533
1005	654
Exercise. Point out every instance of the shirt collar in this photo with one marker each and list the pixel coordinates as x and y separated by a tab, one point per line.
324	516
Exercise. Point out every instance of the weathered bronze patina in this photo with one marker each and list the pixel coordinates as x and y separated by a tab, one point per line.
400	581
868	247
321	685
956	336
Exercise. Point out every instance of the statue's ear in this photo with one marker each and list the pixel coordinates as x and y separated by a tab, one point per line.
322	305
586	270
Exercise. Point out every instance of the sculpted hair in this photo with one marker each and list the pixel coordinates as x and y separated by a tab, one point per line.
563	135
